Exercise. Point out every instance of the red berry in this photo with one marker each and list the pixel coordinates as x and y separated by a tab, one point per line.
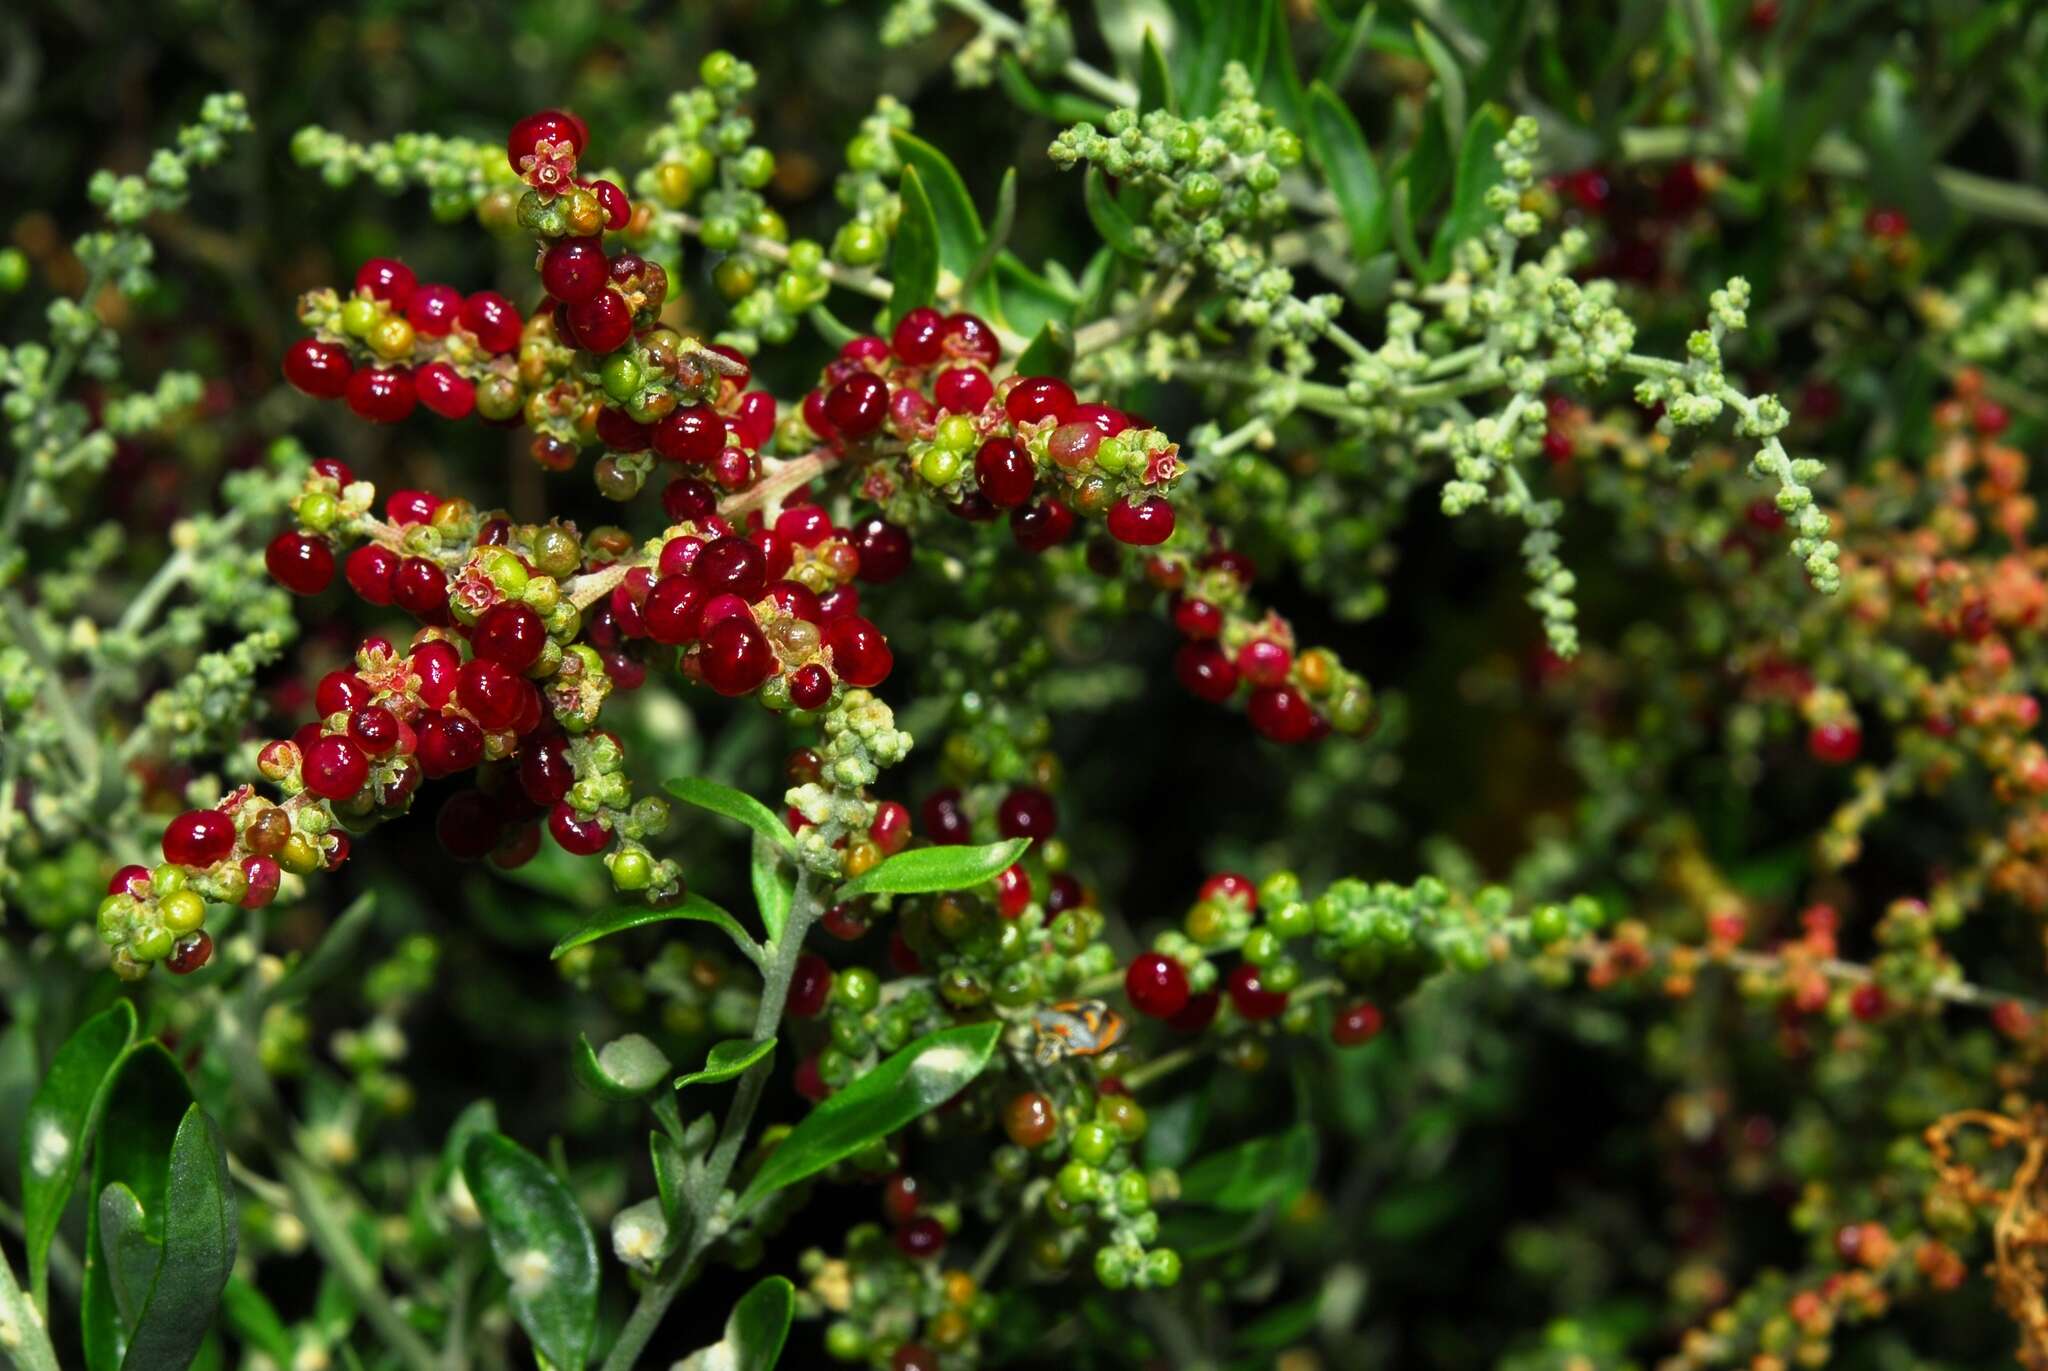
921	1239
1004	472
448	743
1228	885
445	391
493	320
687	499
884	549
469	825
339	692
672	610
579	836
1146	524
732	564
1063	893
1197	619
944	821
1027	812
1358	1024
1281	714
1836	744
1991	418
803	525
858	404
262	875
335	768
382	395
433	310
1157	985
435	664
967	337
374	729
420	589
490	692
387	280
735	657
1251	998
1040	527
810	687
754	420
403	507
1205	672
1104	420
1199	1014
199	837
1013	891
129	880
890	827
512	634
916	336
963	390
618	210
1264	662
192	951
860	654
810	983
302	565
1037	398
1886	223
544	770
370	570
574	269
602	322
694	434
319	369
546	126
1868	1002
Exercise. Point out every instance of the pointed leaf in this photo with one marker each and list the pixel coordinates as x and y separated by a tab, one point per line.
1108	216
733	804
1450	80
726	1060
1155	78
979	286
773	894
961	237
922	1076
1282	87
1251	1176
131	1255
836	332
1339	147
542	1246
754	1331
1337	63
692	906
671	1173
1478	172
198	1250
146	1103
623	1069
60	1122
1058	106
1029	299
928	869
252	1318
1051	353
914	258
1232	31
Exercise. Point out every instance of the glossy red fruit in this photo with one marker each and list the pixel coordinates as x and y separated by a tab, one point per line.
1281	714
490	692
319	369
1041	527
916	336
1005	473
335	768
921	1240
1027	812
810	687
603	322
884	549
129	880
301	564
810	983
339	692
493	320
688	500
511	634
618	210
544	126
1357	1025
445	391
1199	1013
1205	672
191	952
1156	985
694	434
544	770
433	310
945	822
262	875
1013	891
963	390
420	589
369	571
1835	744
860	654
1037	398
1250	996
969	338
448	743
198	837
574	269
734	565
436	665
1144	524
374	729
890	827
382	395
404	507
735	657
858	404
387	280
579	835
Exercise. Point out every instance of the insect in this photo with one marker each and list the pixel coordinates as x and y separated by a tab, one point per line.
1076	1028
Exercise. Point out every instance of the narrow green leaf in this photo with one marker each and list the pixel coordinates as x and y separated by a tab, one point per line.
726	1060
1763	142
1280	1329
1339	148
962	239
1282	87
59	1124
542	1246
692	906
733	804
1029	299
252	1318
754	1331
1051	353
199	1233
835	331
979	285
1902	156
914	258
1231	31
1058	106
1108	216
671	1170
1249	1177
1155	78
1450	80
922	1076
1478	172
927	869
131	1255
1337	63
146	1103
623	1069
773	894
335	953
1401	228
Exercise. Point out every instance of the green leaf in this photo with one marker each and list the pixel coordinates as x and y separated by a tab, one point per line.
692	906
914	258
1281	1328
671	1173
961	237
773	894
979	285
1764	140
1249	1177
131	1255
1401	227
623	1069
1051	353
335	953
927	869
59	1124
836	332
1231	31
1282	88
922	1076
1478	172
1339	147
1155	78
754	1331
1450	79
1108	216
255	1321
726	1060
733	804
1058	106
199	1232
1337	63
1030	300
542	1245
146	1103
1902	156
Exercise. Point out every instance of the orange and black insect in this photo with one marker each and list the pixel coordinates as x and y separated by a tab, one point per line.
1076	1028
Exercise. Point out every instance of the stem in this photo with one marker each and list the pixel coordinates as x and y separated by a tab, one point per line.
707	1184
328	1233
1092	79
